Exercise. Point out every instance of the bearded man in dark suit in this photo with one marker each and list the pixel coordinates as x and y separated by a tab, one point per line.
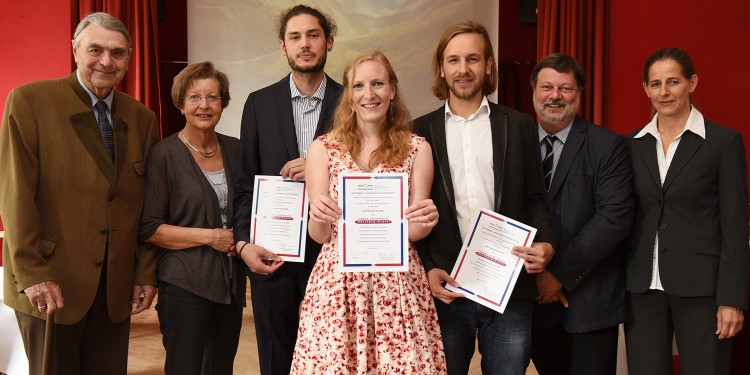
278	124
588	188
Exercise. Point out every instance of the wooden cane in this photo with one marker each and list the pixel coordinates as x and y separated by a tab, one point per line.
49	331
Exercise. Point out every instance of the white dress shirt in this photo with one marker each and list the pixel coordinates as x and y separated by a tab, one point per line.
695	124
469	144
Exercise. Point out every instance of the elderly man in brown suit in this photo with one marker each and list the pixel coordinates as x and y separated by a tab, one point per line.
71	193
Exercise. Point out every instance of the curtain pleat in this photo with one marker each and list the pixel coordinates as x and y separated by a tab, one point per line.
578	28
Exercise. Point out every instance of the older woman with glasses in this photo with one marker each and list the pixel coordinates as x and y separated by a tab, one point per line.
187	213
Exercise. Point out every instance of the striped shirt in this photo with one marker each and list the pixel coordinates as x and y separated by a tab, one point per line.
306	112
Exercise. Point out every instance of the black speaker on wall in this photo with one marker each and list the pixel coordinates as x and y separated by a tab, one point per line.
528	12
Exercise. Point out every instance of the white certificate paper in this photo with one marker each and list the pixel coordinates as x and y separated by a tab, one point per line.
373	232
486	270
279	217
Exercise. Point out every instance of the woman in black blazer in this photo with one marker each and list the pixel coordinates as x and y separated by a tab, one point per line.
688	261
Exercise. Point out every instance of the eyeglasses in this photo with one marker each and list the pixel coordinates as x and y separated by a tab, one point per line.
195	99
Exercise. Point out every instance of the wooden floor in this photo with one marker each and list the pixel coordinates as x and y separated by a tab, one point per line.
146	355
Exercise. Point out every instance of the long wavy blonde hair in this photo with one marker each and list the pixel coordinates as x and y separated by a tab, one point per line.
394	136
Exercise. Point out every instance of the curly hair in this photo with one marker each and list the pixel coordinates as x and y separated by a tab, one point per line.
394	136
326	22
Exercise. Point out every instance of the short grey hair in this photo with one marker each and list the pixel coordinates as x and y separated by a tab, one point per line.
104	20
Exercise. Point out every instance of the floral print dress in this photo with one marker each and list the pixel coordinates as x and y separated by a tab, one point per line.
368	322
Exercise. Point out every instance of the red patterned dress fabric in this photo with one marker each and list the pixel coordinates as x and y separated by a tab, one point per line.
368	322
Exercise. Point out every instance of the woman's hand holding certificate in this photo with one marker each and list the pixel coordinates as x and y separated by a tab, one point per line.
373	230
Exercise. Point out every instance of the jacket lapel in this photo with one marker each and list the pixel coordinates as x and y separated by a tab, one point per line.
499	126
120	128
689	144
330	100
283	104
645	148
86	128
573	143
437	140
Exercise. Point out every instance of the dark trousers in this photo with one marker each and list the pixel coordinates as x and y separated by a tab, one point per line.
654	316
558	352
92	346
276	303
200	336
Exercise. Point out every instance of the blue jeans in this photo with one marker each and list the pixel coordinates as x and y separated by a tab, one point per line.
504	339
200	336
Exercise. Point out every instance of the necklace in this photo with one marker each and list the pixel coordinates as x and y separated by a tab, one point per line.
209	154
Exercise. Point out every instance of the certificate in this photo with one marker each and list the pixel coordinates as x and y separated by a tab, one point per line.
373	232
279	217
486	270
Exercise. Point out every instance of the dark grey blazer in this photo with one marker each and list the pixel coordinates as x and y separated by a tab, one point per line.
518	187
591	207
176	192
267	142
701	213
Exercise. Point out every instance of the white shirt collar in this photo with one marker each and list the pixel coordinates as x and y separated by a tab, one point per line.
695	123
482	106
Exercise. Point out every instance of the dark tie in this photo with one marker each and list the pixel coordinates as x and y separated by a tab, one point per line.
106	128
549	159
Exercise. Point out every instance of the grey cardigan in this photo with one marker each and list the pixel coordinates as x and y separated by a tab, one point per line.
178	193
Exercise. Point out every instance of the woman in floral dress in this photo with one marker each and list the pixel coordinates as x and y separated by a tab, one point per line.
368	322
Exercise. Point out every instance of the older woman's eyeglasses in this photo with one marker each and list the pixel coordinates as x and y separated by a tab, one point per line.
195	99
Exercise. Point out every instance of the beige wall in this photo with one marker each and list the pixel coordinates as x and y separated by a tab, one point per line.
240	38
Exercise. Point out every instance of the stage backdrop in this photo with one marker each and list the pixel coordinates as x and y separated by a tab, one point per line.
239	36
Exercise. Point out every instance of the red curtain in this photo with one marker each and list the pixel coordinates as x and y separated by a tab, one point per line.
578	28
142	79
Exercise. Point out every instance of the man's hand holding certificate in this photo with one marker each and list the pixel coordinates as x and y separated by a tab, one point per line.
373	232
486	269
279	217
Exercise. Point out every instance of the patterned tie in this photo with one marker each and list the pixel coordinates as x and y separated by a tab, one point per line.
549	159
106	128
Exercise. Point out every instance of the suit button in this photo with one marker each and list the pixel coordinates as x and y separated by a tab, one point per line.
663	227
98	262
663	251
103	230
658	203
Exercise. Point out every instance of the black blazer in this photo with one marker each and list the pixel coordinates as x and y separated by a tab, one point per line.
267	142
701	214
518	187
591	208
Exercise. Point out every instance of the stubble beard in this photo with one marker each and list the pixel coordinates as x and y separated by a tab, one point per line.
308	69
468	93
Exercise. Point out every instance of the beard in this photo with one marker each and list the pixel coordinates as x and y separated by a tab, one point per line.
319	66
555	117
466	93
